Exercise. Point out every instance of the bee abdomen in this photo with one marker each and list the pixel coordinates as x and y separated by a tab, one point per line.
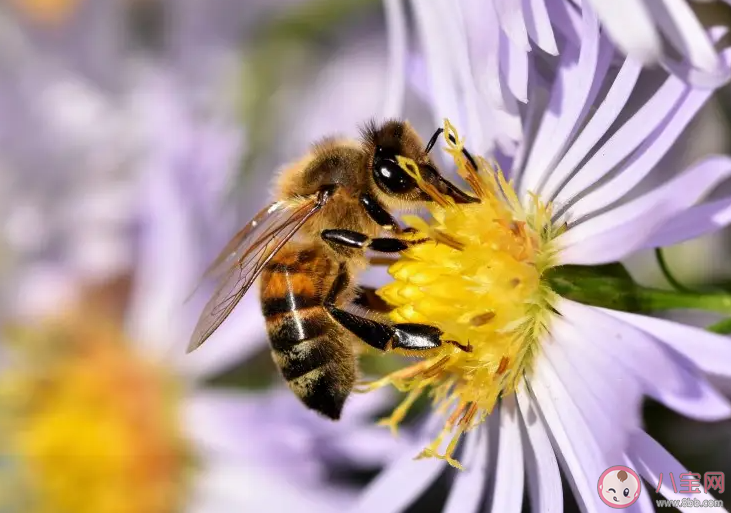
326	388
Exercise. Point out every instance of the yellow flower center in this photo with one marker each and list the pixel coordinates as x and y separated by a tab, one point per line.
479	280
87	426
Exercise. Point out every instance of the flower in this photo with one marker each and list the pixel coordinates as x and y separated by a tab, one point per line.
477	56
550	383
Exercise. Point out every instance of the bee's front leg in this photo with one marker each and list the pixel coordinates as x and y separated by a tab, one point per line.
356	240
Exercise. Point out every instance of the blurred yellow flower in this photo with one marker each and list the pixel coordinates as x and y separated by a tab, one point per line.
92	426
49	12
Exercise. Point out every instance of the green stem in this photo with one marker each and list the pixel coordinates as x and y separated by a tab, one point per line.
610	286
656	299
666	271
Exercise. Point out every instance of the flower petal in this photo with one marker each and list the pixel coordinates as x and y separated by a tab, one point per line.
610	419
692	223
544	477
510	16
622	142
644	503
618	232
634	33
651	460
469	485
645	158
400	483
514	67
685	32
651	363
219	488
620	391
397	50
538	24
574	441
571	92
507	494
708	351
597	126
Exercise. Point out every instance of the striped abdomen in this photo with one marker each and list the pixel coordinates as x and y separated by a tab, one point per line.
312	352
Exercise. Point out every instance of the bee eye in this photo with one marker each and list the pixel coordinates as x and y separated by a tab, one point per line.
388	174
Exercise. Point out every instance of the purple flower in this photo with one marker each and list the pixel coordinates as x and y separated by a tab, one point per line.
552	385
473	58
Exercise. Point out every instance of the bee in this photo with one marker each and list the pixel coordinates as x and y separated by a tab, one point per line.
308	248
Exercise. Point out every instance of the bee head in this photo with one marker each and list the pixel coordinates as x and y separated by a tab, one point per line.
385	144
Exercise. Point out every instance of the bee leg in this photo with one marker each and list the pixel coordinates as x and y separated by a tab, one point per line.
378	334
355	240
368	298
380	215
385	337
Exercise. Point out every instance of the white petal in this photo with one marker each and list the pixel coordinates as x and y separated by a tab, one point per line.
644	502
566	19
509	472
215	423
576	84
644	159
466	492
397	49
577	448
514	67
685	32
544	477
162	283
708	351
454	37
649	361
631	27
606	419
438	59
650	460
625	139
692	223
400	483
596	128
510	14
538	24
698	399
618	232
231	486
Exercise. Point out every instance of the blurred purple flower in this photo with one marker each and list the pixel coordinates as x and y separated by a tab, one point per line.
576	407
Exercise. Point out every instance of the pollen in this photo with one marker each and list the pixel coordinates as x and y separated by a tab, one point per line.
87	425
479	279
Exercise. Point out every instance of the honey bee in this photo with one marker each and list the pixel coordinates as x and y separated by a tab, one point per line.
309	246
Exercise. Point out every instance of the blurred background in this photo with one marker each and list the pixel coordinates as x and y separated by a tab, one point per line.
136	136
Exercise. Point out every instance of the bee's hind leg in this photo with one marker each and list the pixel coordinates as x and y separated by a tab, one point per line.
409	336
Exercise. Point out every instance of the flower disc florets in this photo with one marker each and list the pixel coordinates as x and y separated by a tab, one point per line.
480	280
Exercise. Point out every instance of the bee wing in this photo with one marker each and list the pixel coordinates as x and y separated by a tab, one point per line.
244	257
233	250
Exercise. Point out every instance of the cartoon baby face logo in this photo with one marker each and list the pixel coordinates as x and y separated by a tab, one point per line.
619	487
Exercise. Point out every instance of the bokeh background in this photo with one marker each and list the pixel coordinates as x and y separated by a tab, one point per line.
136	136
